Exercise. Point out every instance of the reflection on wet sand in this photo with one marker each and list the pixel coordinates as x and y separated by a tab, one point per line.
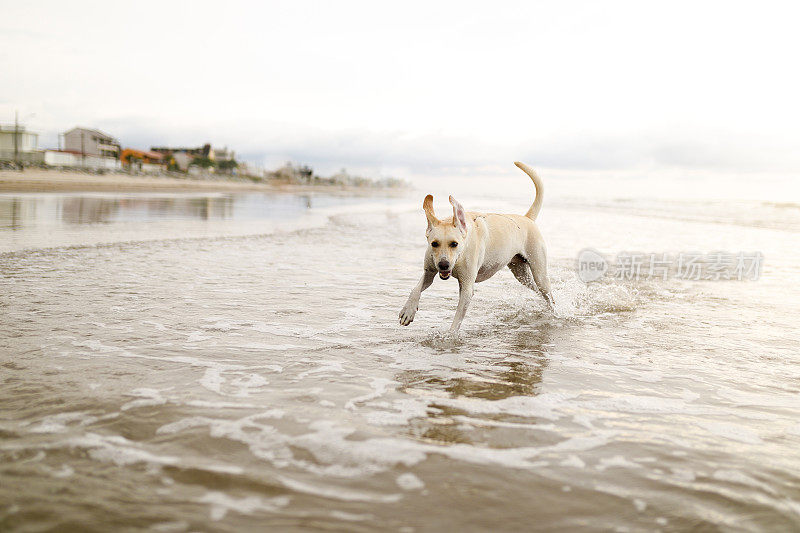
51	220
11	215
21	212
88	210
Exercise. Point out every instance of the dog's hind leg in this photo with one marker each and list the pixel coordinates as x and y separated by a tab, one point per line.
538	264
522	271
533	274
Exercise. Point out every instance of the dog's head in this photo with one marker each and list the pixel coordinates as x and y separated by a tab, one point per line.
446	237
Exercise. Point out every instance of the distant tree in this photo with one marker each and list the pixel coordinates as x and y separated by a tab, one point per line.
203	162
228	164
306	172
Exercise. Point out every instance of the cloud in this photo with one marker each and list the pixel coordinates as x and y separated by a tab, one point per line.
579	87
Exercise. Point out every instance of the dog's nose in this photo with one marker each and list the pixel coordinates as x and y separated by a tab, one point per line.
444	265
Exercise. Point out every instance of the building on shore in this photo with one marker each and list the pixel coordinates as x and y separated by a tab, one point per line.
71	160
19	145
143	160
91	142
85	148
201	151
199	160
182	160
223	154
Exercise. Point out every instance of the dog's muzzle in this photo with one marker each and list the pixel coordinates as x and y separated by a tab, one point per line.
444	268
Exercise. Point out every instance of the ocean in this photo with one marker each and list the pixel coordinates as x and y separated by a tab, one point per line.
234	362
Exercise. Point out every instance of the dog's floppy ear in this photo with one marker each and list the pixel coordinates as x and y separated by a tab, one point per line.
459	217
427	206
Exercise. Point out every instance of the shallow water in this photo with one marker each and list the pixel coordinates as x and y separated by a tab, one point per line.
253	374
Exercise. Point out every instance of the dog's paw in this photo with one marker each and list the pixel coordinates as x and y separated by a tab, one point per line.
407	313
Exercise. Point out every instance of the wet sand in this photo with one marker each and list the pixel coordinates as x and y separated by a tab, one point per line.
39	180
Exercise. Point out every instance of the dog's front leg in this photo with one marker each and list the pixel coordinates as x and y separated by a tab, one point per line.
465	291
412	304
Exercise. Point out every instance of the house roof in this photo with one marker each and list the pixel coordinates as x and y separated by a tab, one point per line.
91	130
142	153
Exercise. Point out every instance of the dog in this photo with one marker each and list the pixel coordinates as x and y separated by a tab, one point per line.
473	247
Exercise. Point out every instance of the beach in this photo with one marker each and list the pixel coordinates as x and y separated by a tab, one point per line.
40	180
219	223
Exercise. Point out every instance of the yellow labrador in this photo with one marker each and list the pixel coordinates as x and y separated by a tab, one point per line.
472	247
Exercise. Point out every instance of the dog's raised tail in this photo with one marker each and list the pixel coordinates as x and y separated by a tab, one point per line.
537	182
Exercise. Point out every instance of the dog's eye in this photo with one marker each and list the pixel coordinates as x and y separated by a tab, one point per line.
435	244
453	244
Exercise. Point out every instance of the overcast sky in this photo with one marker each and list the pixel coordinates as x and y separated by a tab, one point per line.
422	88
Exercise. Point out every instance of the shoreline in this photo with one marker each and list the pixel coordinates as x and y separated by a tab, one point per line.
41	181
